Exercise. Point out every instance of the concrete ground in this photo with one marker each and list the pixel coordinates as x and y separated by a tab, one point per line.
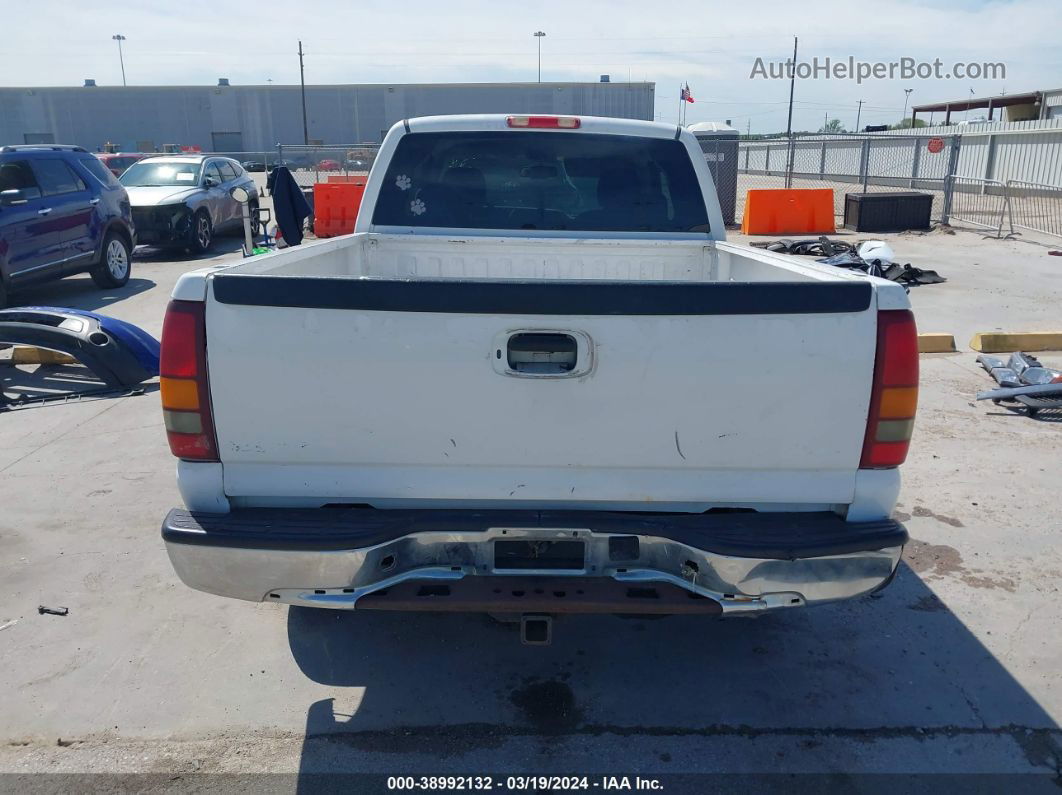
954	668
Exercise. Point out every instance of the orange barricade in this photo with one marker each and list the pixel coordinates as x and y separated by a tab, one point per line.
357	179
789	212
335	206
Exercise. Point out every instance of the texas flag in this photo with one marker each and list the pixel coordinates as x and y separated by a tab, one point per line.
685	95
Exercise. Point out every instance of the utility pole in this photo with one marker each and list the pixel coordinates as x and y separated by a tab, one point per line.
859	113
906	96
120	38
826	122
789	123
538	35
302	83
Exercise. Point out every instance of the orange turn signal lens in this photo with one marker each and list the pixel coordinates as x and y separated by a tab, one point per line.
898	402
179	394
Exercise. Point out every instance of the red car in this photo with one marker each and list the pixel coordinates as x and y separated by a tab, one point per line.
118	162
329	165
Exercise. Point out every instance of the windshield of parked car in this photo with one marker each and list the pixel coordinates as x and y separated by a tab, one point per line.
146	173
541	180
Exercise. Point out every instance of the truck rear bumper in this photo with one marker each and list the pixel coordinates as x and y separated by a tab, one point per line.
532	561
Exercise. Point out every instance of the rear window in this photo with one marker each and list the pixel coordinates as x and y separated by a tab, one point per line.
541	180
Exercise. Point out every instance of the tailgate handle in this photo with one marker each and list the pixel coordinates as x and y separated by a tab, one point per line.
538	353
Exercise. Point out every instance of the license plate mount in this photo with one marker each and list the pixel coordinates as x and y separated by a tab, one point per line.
539	554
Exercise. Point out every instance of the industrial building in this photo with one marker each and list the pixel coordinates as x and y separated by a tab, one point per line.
232	118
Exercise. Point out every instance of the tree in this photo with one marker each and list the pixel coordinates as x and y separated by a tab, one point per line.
833	127
905	124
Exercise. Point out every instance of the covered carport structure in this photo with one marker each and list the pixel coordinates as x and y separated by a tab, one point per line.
989	103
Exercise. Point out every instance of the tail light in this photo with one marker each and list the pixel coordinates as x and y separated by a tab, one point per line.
185	391
894	396
544	122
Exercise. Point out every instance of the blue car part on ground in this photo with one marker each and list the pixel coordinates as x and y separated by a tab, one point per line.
119	353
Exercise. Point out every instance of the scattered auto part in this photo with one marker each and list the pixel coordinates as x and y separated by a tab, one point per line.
1008	392
1024	380
53	611
999	370
873	257
876	250
120	354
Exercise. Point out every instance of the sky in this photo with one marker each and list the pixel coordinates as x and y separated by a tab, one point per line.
711	45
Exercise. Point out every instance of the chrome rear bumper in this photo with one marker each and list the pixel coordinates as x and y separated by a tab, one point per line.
746	563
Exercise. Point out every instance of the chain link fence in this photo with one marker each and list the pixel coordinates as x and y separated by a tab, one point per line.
849	164
317	162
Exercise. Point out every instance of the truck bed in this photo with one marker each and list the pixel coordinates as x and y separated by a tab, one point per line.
379	256
365	370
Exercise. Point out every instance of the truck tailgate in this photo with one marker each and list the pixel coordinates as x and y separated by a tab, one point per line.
402	393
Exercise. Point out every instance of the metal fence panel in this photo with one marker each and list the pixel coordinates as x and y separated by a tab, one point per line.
1035	206
979	202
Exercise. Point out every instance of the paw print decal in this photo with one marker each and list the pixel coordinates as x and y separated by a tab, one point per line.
417	207
403	182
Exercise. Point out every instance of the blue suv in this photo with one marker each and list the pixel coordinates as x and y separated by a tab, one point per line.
61	212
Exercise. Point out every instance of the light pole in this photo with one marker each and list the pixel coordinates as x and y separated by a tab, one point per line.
120	38
302	85
906	96
538	35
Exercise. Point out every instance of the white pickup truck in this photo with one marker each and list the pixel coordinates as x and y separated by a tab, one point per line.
537	380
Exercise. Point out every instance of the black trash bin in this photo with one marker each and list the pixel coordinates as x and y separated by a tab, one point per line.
887	212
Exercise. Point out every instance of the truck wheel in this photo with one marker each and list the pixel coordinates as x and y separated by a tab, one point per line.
202	233
115	263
